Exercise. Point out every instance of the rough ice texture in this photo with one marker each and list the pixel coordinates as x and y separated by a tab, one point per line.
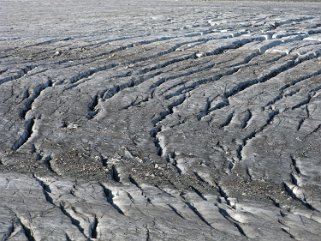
160	120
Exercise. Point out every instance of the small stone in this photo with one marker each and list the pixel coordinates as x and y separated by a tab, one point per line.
200	54
57	53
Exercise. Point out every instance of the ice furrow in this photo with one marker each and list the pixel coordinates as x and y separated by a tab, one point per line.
155	132
232	70
301	121
285	229
133	181
315	130
303	103
60	205
247	117
94	232
26	134
46	190
31	99
219	50
126	47
133	83
49	41
198	83
280	23
234	45
109	197
3	71
228	120
175	211
89	73
198	192
209	66
270	119
296	193
198	214
27	230
73	220
170	110
21	73
154	135
225	196
9	232
47	162
115	174
92	107
68	238
225	214
173	77
263	78
291	84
